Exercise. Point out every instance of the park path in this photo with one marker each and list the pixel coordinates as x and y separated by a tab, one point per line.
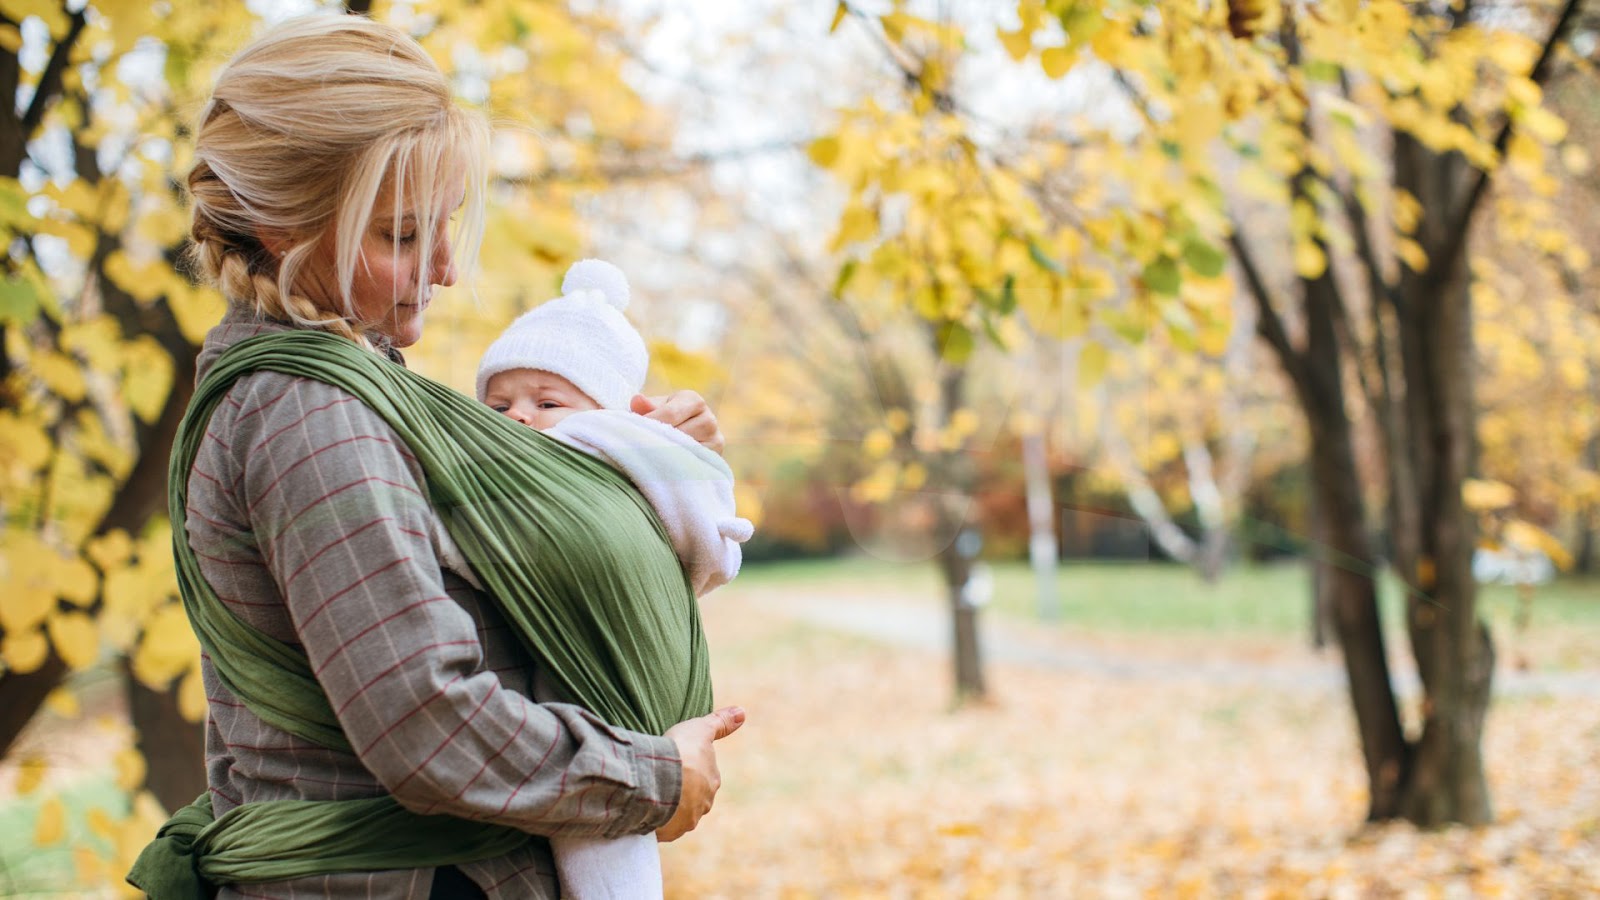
925	625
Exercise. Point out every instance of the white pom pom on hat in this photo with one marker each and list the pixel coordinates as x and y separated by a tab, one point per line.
581	336
597	275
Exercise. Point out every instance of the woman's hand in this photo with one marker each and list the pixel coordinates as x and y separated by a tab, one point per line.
686	411
701	779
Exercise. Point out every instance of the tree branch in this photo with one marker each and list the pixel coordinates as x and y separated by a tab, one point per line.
1268	323
1442	261
50	80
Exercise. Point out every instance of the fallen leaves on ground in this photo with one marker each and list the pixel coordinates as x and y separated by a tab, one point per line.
854	778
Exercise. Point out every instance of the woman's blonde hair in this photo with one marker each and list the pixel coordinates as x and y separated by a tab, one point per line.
306	127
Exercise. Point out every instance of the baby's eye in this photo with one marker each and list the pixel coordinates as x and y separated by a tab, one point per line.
549	404
499	407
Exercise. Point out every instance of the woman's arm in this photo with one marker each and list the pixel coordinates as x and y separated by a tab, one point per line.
341	513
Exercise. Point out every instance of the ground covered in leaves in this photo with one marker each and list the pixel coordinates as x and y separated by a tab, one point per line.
855	778
1181	747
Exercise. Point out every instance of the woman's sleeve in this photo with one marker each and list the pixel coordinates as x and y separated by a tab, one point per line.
341	512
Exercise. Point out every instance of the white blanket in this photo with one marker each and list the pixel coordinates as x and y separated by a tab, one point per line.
690	487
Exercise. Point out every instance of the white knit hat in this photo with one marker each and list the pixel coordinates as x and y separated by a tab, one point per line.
581	336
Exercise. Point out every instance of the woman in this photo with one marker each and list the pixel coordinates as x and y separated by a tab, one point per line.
328	164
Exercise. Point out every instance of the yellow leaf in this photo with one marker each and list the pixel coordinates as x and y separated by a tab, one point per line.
26	603
1309	260
64	703
75	581
63	376
51	826
913	477
877	444
10	38
897	420
109	550
1524	152
1411	252
1056	61
130	767
824	151
1484	495
1017	43
100	824
75	638
24	651
859	223
1544	125
192	696
1092	360
147	377
30	773
964	422
167	649
23	442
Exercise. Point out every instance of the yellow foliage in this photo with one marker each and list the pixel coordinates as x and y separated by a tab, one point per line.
1057	61
63	702
51	826
1309	259
877	444
1412	254
1483	495
30	773
167	648
24	651
192	694
60	374
75	638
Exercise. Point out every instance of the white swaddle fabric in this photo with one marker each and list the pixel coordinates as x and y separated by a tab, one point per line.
690	487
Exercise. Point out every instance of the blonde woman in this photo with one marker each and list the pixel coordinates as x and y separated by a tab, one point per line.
371	650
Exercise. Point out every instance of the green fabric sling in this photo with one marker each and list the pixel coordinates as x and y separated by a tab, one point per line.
575	558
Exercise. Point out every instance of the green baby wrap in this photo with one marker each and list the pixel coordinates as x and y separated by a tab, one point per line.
574	557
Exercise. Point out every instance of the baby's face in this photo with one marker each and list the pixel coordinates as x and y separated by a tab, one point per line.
535	398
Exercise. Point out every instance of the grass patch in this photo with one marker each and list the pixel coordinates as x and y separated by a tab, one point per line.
1165	598
26	868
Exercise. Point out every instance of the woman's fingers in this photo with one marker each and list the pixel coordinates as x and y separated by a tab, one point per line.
701	777
686	411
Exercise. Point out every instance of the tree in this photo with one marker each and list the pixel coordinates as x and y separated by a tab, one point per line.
1297	106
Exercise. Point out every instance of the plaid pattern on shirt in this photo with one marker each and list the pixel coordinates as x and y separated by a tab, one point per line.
310	520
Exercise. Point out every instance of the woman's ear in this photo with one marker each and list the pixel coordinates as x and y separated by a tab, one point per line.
276	242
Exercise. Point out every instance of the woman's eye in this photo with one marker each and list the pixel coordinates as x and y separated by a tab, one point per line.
407	238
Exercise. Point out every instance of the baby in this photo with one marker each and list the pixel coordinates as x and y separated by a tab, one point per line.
570	368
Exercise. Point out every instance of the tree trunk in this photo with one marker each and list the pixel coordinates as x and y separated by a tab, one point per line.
1350	563
1042	551
1320	564
173	747
969	681
22	695
1348	569
1455	655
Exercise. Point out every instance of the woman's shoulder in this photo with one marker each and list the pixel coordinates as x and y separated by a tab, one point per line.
276	421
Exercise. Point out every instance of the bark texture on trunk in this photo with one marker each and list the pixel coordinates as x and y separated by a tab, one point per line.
173	747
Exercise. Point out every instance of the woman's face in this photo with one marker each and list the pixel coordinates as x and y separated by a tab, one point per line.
384	290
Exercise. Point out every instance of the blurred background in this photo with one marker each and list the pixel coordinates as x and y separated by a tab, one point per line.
1171	427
